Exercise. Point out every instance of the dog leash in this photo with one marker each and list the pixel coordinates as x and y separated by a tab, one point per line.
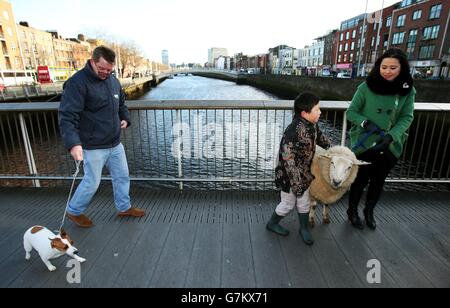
366	136
77	164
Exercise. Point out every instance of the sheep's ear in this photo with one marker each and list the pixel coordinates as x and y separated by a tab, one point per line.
361	163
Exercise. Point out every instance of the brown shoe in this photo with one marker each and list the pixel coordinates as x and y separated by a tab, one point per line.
132	212
81	221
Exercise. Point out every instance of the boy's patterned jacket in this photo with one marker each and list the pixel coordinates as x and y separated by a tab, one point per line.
297	150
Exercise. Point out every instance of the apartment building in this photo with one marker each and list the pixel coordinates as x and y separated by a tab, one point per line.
37	46
12	68
418	27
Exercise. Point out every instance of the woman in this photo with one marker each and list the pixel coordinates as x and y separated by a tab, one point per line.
381	111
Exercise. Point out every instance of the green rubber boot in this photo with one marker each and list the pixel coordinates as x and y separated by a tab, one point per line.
274	226
304	229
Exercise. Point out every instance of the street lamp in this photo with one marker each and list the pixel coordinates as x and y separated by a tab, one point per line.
362	39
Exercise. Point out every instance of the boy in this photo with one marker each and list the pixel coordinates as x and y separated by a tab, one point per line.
293	173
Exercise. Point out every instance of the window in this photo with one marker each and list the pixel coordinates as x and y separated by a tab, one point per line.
351	57
346	47
389	21
347	36
430	33
411	44
373	42
345	58
354	34
339	59
352	46
398	38
435	11
417	14
340	48
342	37
401	20
406	3
426	52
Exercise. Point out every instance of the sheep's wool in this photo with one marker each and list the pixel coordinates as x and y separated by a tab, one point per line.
321	190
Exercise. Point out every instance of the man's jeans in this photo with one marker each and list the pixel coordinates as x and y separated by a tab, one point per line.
94	160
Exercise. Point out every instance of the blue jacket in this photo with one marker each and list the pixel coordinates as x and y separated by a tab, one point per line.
91	110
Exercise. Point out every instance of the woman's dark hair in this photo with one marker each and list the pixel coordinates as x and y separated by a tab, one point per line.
402	85
305	102
104	52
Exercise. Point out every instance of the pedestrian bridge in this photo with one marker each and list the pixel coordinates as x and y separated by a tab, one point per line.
204	171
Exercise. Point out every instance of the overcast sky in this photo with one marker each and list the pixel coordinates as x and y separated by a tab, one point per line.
188	28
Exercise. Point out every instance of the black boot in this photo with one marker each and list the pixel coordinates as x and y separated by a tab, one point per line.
273	225
304	229
368	215
353	216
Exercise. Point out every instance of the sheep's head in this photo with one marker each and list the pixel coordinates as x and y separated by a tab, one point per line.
340	168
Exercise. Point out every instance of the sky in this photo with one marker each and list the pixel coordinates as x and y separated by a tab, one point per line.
187	29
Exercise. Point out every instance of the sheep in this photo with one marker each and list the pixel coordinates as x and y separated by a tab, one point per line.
335	170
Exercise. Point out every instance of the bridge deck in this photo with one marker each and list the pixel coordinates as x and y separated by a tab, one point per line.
218	239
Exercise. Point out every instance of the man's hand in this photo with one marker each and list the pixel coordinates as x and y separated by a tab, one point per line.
77	153
123	124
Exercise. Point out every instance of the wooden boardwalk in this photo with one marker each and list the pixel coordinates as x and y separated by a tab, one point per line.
219	240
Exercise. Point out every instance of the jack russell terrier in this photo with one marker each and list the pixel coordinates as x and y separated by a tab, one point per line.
49	246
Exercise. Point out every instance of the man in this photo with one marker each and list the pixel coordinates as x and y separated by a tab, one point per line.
91	116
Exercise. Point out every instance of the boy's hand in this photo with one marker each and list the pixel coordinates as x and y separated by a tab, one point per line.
123	124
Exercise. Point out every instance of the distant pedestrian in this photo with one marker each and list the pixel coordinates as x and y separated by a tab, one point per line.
293	173
91	116
382	111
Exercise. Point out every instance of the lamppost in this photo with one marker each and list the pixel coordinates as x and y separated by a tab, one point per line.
380	25
362	42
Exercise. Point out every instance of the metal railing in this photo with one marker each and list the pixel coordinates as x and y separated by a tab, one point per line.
30	91
206	144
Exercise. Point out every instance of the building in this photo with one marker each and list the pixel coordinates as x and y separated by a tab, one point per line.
64	57
165	57
281	60
329	51
350	34
329	47
12	66
215	53
81	51
420	28
240	61
37	47
222	63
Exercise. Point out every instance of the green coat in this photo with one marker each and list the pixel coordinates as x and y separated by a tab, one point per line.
392	113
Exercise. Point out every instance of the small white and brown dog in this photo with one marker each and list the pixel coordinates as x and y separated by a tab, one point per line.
49	246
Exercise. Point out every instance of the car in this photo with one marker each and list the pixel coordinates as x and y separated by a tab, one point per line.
343	75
